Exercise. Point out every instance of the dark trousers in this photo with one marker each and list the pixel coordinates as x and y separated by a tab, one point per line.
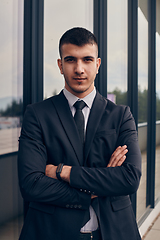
95	235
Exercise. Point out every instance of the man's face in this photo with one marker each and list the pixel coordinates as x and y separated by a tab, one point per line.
79	65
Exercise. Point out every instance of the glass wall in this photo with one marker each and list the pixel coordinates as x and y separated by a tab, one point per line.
59	16
11	93
142	99
11	73
157	175
117	50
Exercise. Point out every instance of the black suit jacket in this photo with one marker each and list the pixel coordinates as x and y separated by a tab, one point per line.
57	209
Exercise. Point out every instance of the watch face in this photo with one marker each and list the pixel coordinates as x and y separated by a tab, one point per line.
59	168
58	171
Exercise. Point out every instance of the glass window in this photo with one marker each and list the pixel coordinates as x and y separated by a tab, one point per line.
11	93
117	50
11	73
57	20
157	178
142	99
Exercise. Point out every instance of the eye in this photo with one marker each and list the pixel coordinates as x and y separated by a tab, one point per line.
88	59
70	60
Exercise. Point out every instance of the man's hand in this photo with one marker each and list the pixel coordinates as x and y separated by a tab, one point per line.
118	156
65	174
51	171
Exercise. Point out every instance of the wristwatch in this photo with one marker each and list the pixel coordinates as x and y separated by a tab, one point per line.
59	170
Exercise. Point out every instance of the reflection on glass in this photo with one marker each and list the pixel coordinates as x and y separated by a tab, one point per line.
117	51
11	73
157	174
142	100
57	20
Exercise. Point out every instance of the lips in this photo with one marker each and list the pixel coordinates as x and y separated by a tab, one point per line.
79	79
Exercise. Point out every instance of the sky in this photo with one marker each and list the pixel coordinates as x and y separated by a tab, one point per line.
59	16
11	48
117	45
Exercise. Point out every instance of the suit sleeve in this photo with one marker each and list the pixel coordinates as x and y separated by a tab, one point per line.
35	186
113	181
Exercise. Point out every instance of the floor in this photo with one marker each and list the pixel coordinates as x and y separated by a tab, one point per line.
153	232
141	193
11	230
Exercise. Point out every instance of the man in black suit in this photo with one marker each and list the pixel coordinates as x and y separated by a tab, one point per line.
79	158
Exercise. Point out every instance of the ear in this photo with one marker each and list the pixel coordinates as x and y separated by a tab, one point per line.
59	62
98	63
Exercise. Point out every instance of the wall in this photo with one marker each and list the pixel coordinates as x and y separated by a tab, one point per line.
11	203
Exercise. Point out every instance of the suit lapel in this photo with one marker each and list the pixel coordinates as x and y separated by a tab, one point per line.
67	121
95	116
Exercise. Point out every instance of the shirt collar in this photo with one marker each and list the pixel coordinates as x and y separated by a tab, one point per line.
72	98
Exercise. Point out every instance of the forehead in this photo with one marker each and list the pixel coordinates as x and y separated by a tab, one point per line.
79	51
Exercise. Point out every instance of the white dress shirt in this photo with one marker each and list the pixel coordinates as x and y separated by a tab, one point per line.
92	224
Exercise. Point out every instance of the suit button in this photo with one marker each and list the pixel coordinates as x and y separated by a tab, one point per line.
75	206
85	190
71	206
67	206
81	190
89	191
93	193
79	206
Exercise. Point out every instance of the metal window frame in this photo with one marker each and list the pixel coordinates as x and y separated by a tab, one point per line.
133	58
133	88
100	31
132	93
151	133
33	56
33	52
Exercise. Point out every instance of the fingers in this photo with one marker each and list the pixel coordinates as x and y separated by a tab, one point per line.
93	196
118	156
120	162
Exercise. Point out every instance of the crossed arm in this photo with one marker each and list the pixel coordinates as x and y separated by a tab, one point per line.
38	182
117	159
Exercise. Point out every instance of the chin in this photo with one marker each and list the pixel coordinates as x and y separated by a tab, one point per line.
79	90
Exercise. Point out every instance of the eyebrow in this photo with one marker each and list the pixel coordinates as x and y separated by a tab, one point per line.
71	57
89	57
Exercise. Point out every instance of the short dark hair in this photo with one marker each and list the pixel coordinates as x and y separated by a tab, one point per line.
78	36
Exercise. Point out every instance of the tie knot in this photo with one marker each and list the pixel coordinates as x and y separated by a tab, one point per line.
79	105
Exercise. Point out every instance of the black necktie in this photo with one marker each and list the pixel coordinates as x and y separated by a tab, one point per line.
79	118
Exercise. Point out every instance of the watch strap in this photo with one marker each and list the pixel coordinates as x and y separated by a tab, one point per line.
59	170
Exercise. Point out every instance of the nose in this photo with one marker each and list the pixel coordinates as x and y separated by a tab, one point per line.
79	68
